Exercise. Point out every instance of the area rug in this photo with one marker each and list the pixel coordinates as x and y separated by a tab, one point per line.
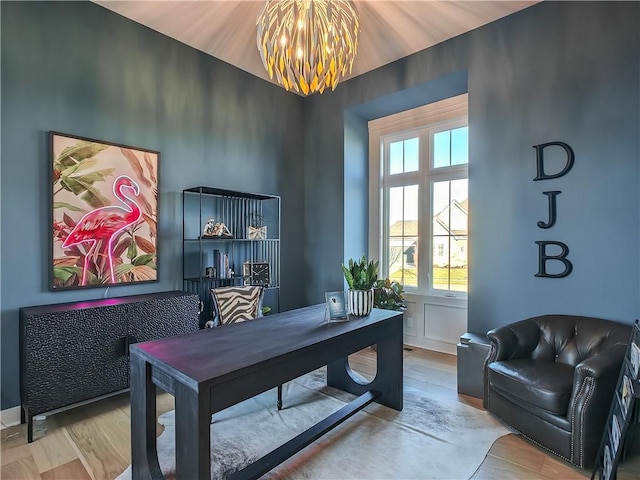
434	437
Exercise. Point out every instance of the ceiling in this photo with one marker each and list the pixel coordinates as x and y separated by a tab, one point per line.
226	29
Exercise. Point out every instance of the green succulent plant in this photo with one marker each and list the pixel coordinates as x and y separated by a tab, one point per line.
361	274
388	294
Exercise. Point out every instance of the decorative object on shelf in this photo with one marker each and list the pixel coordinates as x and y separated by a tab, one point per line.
209	228
256	273
361	277
388	295
216	230
256	230
104	213
336	304
308	45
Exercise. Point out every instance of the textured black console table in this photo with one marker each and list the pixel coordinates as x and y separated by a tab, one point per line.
211	370
73	352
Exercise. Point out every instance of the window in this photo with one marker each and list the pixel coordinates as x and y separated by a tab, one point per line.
419	200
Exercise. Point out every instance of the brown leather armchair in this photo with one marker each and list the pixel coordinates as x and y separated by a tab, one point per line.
553	377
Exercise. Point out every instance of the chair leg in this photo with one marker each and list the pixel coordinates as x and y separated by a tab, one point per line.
280	397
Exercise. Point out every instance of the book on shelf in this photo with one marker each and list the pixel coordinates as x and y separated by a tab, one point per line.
626	394
634	359
615	434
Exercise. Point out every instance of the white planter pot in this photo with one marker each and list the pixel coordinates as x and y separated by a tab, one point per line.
360	302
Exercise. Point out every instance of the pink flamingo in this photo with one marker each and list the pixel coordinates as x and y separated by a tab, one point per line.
105	223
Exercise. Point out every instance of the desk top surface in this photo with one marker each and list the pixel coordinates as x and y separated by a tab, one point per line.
206	354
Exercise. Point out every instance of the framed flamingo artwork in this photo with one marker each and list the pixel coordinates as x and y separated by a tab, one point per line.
104	213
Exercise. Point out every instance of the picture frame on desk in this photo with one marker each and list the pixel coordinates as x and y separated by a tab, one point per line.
336	306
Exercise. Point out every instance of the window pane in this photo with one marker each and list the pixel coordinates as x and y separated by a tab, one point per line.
402	252
403	156
460	146
450	235
395	158
442	149
411	155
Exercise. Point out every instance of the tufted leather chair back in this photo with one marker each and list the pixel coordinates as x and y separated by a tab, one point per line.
567	339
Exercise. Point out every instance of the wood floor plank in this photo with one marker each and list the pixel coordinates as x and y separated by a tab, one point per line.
14	454
557	468
101	459
13	436
52	450
516	450
23	469
497	468
71	470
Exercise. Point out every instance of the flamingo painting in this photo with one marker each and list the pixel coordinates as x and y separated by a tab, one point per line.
105	223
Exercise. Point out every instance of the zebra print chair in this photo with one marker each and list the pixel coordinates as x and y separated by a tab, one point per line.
238	304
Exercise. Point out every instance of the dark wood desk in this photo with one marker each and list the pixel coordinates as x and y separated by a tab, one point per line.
212	369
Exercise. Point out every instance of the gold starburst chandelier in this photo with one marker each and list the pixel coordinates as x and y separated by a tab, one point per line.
308	45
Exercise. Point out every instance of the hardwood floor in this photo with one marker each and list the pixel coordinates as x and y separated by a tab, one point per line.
92	441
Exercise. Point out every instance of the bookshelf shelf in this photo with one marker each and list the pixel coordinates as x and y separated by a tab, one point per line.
209	262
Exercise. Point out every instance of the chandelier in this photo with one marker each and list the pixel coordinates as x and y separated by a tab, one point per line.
308	45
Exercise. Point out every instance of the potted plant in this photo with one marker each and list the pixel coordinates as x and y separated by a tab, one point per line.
388	294
361	276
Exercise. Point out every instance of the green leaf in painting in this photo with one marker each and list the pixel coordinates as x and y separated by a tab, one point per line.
80	151
65	273
68	206
92	196
132	251
83	165
144	259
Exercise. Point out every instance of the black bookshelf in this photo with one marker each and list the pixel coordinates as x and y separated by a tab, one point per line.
624	412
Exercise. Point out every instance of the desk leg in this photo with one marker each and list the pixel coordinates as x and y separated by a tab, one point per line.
193	437
144	456
388	381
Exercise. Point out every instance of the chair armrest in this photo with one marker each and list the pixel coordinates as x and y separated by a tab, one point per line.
503	343
517	340
601	365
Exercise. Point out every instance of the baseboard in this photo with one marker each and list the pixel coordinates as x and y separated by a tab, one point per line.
432	344
10	417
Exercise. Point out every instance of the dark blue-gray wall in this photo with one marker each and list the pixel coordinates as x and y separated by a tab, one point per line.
78	68
565	71
557	71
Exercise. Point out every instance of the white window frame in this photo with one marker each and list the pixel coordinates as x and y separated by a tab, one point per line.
423	122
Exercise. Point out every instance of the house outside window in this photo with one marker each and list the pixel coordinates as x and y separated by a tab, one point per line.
418	197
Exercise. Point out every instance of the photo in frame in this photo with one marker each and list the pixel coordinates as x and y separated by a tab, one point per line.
336	306
104	213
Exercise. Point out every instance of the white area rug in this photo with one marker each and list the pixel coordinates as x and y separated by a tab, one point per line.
434	437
